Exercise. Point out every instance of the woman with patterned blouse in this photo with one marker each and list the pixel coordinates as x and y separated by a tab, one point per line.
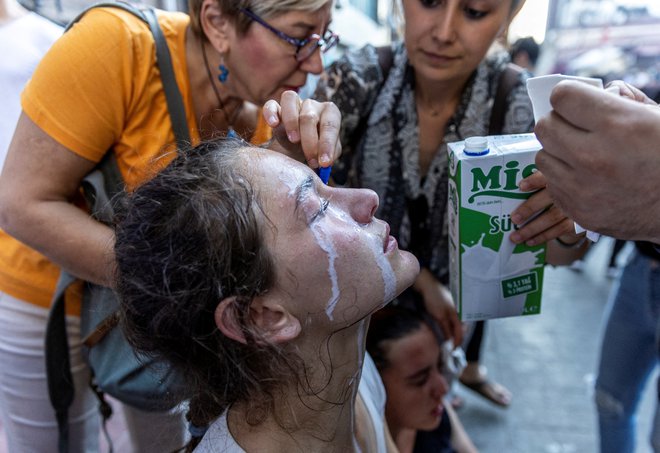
397	121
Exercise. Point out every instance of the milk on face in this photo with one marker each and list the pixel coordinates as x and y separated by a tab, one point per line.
490	276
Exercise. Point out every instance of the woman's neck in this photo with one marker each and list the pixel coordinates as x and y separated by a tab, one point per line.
317	413
216	107
436	103
438	99
404	438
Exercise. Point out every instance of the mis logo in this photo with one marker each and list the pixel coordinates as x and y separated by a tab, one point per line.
498	182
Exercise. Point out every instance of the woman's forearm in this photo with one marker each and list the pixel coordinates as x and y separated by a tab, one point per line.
66	235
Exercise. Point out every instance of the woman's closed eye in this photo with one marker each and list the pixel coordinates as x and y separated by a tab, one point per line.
420	378
322	208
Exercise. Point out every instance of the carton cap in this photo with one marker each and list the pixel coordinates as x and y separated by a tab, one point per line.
476	146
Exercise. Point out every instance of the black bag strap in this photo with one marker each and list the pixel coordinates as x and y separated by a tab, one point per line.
385	59
172	93
58	364
100	187
507	80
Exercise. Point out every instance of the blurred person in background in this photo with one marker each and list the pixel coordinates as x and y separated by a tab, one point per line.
583	138
524	53
24	38
413	368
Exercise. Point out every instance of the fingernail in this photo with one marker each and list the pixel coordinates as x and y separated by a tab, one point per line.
293	136
272	120
325	160
515	237
313	163
517	219
524	185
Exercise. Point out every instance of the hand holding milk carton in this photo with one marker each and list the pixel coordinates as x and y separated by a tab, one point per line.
539	89
490	276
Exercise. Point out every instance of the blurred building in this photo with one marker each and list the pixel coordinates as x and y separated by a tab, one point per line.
610	39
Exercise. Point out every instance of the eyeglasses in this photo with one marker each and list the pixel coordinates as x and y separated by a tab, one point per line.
305	48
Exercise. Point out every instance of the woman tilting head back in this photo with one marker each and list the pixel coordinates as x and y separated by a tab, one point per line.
238	66
256	280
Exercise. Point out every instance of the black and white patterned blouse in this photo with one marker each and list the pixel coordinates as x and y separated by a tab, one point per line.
381	144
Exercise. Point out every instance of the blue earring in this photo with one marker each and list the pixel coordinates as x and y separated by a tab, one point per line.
224	73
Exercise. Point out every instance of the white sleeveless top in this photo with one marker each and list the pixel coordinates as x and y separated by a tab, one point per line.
218	439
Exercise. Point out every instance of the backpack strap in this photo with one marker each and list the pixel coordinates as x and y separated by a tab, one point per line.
58	365
172	93
507	80
163	59
100	187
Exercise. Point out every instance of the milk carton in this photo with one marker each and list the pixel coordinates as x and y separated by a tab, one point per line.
491	277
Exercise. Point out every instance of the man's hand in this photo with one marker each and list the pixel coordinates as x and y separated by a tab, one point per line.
601	158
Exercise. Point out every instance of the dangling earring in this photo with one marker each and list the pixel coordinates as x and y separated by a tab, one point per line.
224	73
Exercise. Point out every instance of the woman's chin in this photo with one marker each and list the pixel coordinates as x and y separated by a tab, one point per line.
408	272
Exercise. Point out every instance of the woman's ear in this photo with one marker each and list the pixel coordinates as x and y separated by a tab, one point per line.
216	25
274	322
226	318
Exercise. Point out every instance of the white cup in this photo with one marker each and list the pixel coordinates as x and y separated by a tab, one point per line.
539	89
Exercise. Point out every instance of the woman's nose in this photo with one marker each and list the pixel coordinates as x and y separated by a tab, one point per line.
363	204
440	385
445	28
313	64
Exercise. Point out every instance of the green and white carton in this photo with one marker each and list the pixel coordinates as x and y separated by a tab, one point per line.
490	276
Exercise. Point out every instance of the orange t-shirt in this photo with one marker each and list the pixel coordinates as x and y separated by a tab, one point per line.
98	88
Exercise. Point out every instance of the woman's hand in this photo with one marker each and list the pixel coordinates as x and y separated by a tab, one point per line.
541	220
544	221
306	129
440	305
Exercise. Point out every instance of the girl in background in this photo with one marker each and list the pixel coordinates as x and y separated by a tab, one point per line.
410	361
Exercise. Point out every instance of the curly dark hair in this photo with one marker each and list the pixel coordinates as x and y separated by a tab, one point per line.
389	324
185	240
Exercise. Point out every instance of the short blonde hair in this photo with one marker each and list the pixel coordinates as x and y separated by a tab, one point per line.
262	8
